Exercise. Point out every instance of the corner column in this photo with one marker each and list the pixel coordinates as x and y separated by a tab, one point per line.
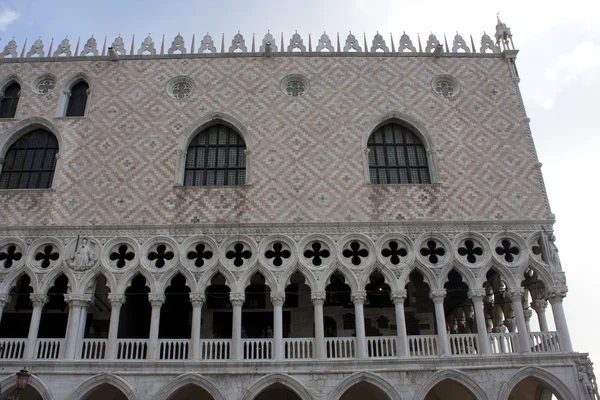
77	316
38	300
4	300
555	296
539	306
516	296
156	301
277	299
477	296
318	299
197	300
438	295
528	313
237	300
116	302
358	298
398	297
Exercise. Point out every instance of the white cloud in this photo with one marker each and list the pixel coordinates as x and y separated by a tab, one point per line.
579	64
7	17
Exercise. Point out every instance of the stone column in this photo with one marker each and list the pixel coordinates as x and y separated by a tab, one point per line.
516	296
156	301
402	347
77	306
358	298
477	296
539	306
277	299
528	313
38	300
438	295
555	295
4	300
318	299
82	323
237	300
116	302
197	300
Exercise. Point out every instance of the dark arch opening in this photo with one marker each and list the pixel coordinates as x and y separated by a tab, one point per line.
78	100
16	317
176	312
257	311
531	388
364	390
10	100
298	308
53	323
419	311
277	391
106	391
191	392
449	389
218	309
134	320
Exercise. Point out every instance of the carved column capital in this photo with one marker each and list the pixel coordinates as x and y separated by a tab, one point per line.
277	298
399	296
556	293
4	299
78	300
539	305
67	93
197	299
476	294
156	299
437	294
116	299
318	297
237	299
38	299
358	297
515	294
527	313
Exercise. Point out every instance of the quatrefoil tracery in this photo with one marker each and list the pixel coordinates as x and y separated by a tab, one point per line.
433	251
316	253
355	253
161	255
471	251
10	256
238	254
278	254
394	252
508	250
200	254
47	256
121	256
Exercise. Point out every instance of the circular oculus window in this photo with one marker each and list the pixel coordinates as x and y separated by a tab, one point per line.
294	85
445	85
180	88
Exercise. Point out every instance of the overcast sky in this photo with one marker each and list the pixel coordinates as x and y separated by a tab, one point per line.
559	64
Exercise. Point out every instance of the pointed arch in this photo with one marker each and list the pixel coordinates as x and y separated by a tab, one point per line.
89	280
505	273
12	134
204	281
10	382
165	280
415	126
388	275
454	375
12	279
311	281
9	79
542	273
428	276
65	94
125	281
213	118
368	377
346	273
560	389
466	274
270	279
271	379
92	383
49	280
189	379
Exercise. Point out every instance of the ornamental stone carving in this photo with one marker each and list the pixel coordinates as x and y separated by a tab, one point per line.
378	43
90	47
459	43
119	46
207	44
238	43
78	300
477	294
36	48
147	46
437	294
585	374
45	84
178	44
63	48
556	293
296	42
352	43
116	299
277	298
515	294
82	255
270	40
197	299
237	298
156	299
406	44
324	43
4	300
10	49
318	297
399	296
38	299
358	297
432	43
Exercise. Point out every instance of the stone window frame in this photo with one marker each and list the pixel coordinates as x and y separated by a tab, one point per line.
405	120
198	126
4	84
24	127
65	93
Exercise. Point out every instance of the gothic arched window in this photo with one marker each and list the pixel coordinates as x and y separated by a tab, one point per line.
10	100
216	157
78	100
29	162
397	155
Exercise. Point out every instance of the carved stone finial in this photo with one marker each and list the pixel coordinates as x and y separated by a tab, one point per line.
10	49
406	44
378	43
352	43
36	48
207	44
459	43
432	43
147	46
324	43
296	42
238	43
119	46
90	47
503	34
63	48
270	40
488	43
178	44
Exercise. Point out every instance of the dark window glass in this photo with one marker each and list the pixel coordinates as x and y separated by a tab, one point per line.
396	155
8	105
30	162
78	100
216	157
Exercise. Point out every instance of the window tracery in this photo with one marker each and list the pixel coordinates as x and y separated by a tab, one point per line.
9	100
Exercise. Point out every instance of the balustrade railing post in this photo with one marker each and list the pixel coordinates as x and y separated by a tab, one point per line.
358	298
477	296
438	295
197	300
38	300
237	300
516	296
556	295
398	298
277	299
318	299
156	300
116	302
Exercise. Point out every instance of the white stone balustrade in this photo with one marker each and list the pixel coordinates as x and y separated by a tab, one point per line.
12	349
215	349
298	348
463	344
49	349
93	349
173	349
340	347
132	349
423	345
381	346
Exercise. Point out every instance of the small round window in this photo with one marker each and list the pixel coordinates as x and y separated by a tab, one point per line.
445	85
294	85
44	84
180	87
